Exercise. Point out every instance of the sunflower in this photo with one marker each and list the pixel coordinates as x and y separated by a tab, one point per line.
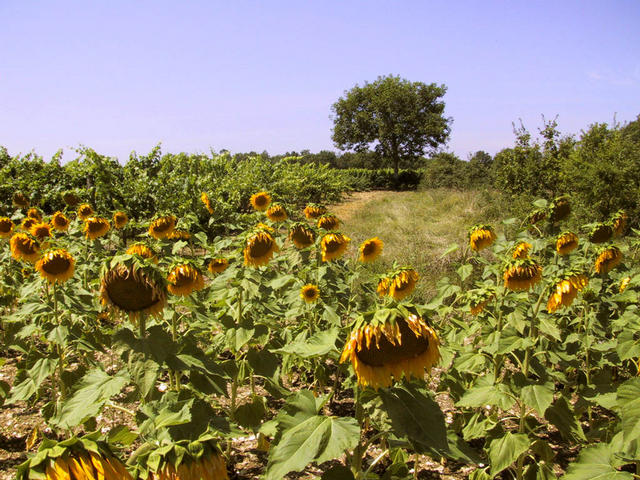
624	284
600	233
95	227
301	235
207	202
383	286
259	248
370	249
521	250
25	248
27	223
313	211
402	283
85	465
218	265
536	216
479	299
608	259
71	199
619	223
41	230
566	291
185	279
260	201
56	266
310	293
179	234
162	227
207	464
277	213
19	200
133	289
60	222
333	245
560	209
522	274
120	219
34	213
481	236
381	352
142	250
6	227
85	211
566	243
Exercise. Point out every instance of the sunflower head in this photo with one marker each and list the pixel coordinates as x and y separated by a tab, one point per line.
566	243
277	213
162	227
6	227
301	235
537	216
608	258
24	248
600	233
333	246
566	290
34	213
70	199
559	209
120	219
328	222
310	293
179	234
27	223
370	249
60	222
383	286
619	222
95	227
624	284
20	200
389	344
185	279
521	250
260	201
522	274
85	211
207	202
314	211
479	298
41	230
400	283
259	248
56	266
143	251
481	236
218	265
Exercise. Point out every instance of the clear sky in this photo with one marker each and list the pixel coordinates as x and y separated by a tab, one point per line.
123	75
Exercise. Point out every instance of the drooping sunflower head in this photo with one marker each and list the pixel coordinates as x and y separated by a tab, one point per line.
218	265
71	199
179	234
134	288
60	222
619	222
34	213
95	227
185	279
56	266
402	283
566	243
310	293
120	219
6	227
333	246
314	211
559	209
24	248
521	250
384	351
600	233
481	236
522	274
259	248
479	299
27	223
328	222
41	230
277	213
207	202
608	258
383	286
162	227
260	201
537	216
566	290
301	235
370	249
143	251
20	200
84	211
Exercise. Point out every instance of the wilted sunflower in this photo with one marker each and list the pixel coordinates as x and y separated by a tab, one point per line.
34	213
133	289
185	279
383	352
56	266
478	299
19	200
207	203
313	211
328	222
95	227
522	274
301	235
209	465
260	201
481	236
608	259
560	209
370	249
536	216
259	248
521	250
179	234
624	284
566	291
601	233
71	199
6	227
402	283
86	466
162	227
333	245
567	242
277	213
120	219
41	230
60	222
27	223
310	293
619	222
218	265
85	211
142	250
383	286
24	248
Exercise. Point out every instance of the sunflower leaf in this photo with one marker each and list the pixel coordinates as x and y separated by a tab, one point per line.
505	450
318	344
595	463
487	395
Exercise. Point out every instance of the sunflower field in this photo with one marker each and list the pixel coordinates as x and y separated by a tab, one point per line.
165	353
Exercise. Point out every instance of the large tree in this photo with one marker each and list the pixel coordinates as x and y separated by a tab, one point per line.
399	119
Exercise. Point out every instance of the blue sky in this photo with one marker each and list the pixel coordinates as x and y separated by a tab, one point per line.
120	75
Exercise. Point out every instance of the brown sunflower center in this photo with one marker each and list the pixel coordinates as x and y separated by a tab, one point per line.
95	227
332	245
387	353
261	200
26	246
302	237
85	211
42	232
601	234
130	293
5	226
60	221
310	293
56	265
260	247
369	249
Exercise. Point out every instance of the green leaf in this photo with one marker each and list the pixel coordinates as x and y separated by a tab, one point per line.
317	345
251	414
450	249
595	463
488	395
505	451
338	472
537	397
628	401
562	416
464	271
40	371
